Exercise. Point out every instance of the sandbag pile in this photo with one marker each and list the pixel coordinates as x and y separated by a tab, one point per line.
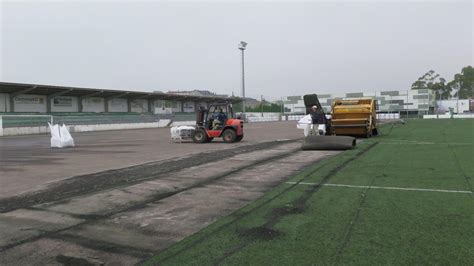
60	136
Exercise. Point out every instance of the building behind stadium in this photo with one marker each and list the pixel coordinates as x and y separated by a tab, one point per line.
421	101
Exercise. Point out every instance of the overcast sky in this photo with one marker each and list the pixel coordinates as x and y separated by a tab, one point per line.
294	48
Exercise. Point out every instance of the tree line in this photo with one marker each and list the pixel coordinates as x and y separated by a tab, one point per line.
268	107
462	85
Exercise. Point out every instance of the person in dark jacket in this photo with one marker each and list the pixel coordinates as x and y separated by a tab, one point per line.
219	119
317	116
318	121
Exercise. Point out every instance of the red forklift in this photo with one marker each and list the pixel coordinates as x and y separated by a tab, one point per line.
217	121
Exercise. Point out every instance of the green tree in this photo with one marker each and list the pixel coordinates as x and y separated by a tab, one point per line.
463	83
433	81
267	107
237	107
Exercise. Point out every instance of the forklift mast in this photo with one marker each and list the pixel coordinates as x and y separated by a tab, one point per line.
310	100
200	116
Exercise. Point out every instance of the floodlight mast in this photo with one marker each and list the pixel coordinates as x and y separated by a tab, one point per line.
242	47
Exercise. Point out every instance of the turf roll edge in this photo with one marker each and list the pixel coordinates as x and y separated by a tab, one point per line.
328	143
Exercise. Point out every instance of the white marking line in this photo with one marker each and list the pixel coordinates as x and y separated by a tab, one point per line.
402	141
388	188
425	143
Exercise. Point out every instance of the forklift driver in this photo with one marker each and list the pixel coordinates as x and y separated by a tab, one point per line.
219	119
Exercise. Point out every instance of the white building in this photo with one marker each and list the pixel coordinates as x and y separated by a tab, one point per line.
388	101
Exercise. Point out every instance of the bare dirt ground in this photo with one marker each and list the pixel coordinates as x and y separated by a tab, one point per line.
122	196
27	163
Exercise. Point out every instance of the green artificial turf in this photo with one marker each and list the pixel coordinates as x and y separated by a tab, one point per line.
311	224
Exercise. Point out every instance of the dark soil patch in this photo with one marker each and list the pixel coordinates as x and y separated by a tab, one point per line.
287	210
260	232
71	261
85	184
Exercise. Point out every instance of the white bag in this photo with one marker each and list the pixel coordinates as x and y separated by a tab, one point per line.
180	133
306	123
66	137
60	136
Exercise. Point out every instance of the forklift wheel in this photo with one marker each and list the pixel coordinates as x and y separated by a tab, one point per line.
239	138
199	136
229	135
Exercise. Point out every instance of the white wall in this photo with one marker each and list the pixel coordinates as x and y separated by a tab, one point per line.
93	104
183	123
252	119
4	103
203	104
13	131
118	105
448	116
163	107
139	106
266	114
65	104
30	103
459	106
176	107
188	107
388	116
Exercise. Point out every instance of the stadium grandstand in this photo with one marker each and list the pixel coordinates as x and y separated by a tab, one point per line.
31	105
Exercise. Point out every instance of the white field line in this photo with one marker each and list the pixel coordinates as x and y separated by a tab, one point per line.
387	188
425	143
402	141
407	141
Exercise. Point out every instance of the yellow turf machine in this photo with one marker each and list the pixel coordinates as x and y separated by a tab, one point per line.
326	141
356	117
349	119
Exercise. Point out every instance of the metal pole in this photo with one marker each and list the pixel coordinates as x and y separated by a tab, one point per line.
437	107
282	105
428	102
281	116
1	125
390	108
457	105
261	103
243	85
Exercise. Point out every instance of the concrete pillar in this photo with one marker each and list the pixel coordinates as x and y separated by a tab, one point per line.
150	106
106	105
129	105
12	103
48	104
80	107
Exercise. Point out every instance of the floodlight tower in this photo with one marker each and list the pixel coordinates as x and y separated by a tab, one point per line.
242	46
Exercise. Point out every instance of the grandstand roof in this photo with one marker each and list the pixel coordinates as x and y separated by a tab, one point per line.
50	90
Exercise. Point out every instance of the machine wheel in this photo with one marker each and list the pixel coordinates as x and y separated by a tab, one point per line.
368	134
229	135
239	138
374	132
199	136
